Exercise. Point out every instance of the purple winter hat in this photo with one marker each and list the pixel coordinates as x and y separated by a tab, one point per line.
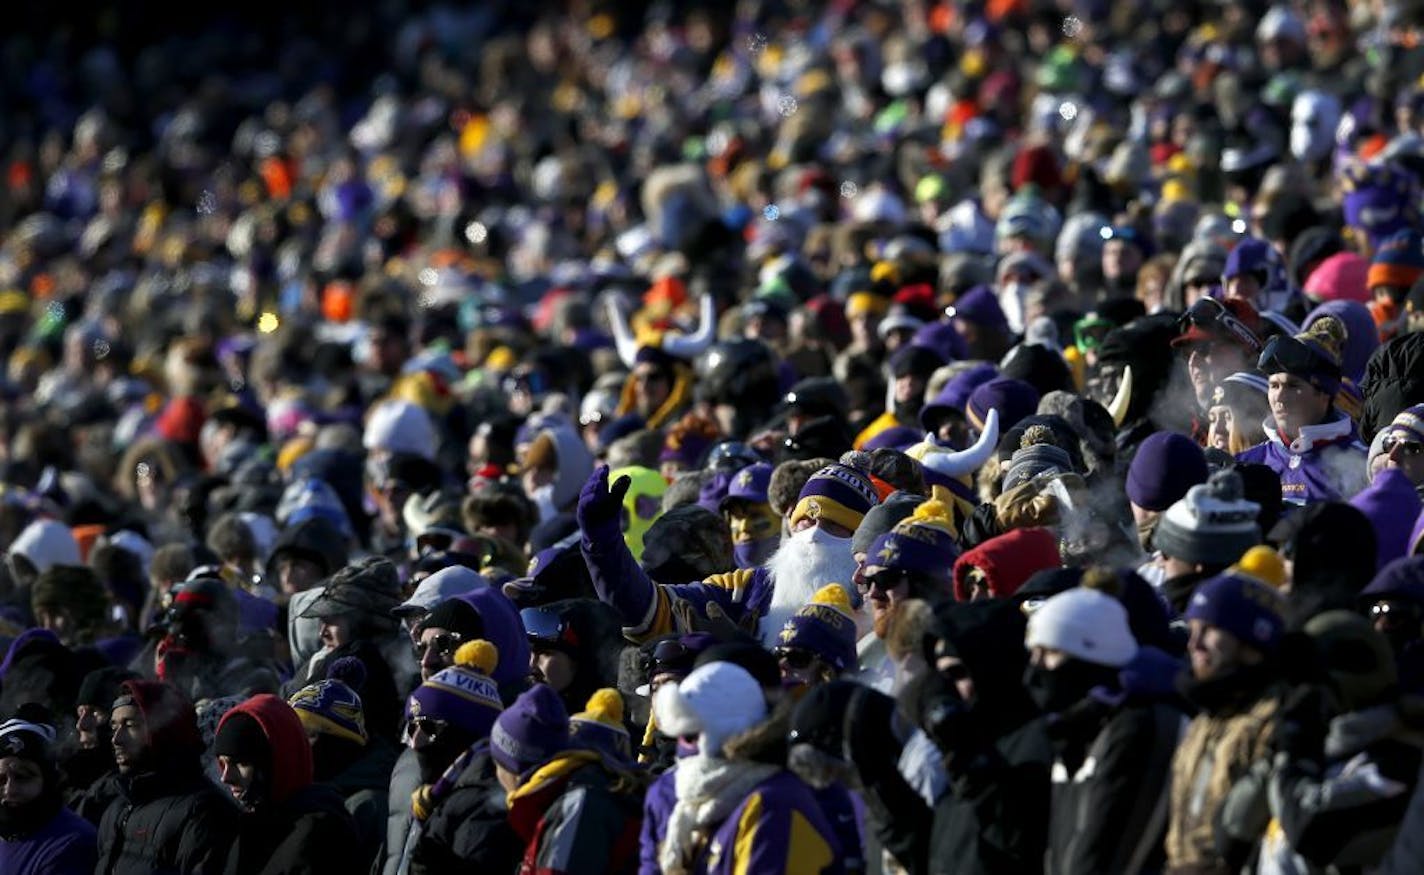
956	392
980	306
531	731
1014	399
1166	465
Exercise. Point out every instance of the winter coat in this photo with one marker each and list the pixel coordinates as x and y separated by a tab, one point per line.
299	827
1111	776
172	821
364	786
1348	816
308	833
1394	380
1324	463
405	779
65	845
658	803
469	830
97	798
1218	749
577	814
779	828
994	819
652	610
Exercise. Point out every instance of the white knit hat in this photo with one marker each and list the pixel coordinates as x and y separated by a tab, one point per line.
715	702
1086	624
398	426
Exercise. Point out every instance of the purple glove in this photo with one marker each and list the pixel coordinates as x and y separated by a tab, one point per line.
599	506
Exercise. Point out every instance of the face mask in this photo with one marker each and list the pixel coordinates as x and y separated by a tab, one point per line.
1054	691
818	535
543	498
750	554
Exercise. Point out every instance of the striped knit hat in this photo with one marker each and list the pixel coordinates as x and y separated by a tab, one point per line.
333	706
463	695
1408	424
838	493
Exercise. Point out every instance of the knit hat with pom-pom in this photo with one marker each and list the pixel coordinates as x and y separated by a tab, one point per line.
333	706
1038	453
462	695
599	726
922	543
1313	355
825	626
1213	524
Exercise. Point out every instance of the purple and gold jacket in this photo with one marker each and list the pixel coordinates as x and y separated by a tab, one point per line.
1325	462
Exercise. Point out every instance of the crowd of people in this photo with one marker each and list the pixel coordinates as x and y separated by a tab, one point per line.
922	436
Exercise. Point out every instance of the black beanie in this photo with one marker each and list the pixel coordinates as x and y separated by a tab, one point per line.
241	738
101	687
457	615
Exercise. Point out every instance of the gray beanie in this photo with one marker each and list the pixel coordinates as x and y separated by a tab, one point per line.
1212	525
882	518
1030	461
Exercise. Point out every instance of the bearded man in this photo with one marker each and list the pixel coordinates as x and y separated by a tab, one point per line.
759	599
914	560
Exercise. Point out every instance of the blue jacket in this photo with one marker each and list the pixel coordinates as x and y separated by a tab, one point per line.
66	845
1325	462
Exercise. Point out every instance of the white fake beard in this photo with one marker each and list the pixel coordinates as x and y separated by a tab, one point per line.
804	563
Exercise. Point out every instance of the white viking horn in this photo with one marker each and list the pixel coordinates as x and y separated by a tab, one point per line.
967	461
1123	399
622	334
690	346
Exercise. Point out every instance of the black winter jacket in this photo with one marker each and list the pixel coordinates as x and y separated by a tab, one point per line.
1111	773
309	834
469	831
172	822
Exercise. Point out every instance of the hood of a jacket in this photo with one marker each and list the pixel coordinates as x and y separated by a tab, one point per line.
287	740
1007	561
504	630
169	717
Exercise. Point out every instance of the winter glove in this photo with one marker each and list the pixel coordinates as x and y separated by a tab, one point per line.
600	507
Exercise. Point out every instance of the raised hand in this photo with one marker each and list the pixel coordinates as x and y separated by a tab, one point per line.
600	505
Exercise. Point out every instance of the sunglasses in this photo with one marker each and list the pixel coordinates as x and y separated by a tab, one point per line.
885	581
1211	315
445	645
795	657
1406	447
428	726
1394	610
548	628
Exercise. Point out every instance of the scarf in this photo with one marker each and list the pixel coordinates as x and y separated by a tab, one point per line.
708	790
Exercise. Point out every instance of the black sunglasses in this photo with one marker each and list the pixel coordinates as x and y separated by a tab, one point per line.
885	581
445	645
1408	448
795	657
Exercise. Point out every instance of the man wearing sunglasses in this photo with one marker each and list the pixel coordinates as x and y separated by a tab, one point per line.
1217	339
1311	446
914	560
1403	445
